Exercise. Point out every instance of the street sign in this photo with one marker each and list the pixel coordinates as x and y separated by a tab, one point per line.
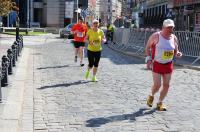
83	14
87	12
169	14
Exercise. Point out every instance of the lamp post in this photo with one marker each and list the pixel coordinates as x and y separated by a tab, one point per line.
17	27
27	14
28	21
17	21
77	11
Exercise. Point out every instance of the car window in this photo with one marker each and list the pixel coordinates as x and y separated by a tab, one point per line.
70	25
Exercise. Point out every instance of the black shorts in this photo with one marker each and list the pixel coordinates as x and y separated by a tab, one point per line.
79	44
93	58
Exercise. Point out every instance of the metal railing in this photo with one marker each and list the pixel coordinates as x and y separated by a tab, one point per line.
134	40
189	44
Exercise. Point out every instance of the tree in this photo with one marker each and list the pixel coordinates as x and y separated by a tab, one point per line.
6	6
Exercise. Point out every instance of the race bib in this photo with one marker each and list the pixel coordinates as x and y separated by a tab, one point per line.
96	43
80	34
167	55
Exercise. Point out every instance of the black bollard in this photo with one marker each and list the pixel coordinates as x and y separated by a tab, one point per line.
19	46
16	50
4	79
19	41
17	33
22	41
13	52
0	87
10	57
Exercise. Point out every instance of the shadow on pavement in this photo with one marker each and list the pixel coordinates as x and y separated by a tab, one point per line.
53	67
119	58
37	54
97	122
64	85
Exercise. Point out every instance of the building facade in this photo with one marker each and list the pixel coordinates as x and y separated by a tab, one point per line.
155	12
185	13
90	13
129	5
43	13
108	10
51	13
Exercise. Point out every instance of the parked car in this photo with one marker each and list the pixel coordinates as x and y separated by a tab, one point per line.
1	28
1	24
66	32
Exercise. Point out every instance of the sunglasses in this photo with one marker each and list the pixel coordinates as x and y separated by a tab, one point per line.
170	27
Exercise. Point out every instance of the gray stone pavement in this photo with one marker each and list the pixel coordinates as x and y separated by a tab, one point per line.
13	96
57	98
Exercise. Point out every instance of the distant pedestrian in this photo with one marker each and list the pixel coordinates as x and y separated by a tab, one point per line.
79	30
109	33
161	48
95	36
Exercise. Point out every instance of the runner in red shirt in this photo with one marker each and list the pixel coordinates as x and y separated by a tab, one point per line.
79	30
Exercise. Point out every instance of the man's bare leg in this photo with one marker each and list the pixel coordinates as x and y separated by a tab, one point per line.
166	84
156	83
81	54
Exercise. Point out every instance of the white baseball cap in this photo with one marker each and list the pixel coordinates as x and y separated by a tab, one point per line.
168	23
95	21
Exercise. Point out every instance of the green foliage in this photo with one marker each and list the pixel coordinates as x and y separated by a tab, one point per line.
6	6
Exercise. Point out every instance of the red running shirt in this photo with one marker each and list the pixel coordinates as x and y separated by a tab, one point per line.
81	30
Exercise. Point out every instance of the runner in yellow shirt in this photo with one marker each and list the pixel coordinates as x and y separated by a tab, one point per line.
95	36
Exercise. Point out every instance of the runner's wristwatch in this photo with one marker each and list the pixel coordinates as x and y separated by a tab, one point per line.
148	58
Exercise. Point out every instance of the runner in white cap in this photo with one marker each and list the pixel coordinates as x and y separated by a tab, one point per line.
161	48
95	37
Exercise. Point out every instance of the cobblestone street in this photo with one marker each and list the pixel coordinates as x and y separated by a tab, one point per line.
147	79
65	102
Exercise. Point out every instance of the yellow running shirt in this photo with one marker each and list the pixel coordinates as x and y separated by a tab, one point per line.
95	39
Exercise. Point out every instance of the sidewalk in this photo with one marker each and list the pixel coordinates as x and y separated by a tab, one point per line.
13	96
16	111
6	36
